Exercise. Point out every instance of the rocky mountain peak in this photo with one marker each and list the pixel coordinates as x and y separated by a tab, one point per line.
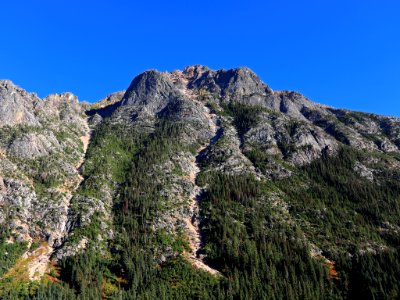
7	86
194	72
7	83
153	89
239	82
231	83
16	105
149	81
109	100
150	91
64	97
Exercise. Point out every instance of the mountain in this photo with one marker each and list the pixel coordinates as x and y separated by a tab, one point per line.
196	184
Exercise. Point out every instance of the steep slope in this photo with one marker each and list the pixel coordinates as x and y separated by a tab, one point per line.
42	148
192	174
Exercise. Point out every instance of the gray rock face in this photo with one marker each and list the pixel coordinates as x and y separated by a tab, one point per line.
109	100
40	149
16	105
292	104
226	148
239	84
295	141
64	108
151	92
363	171
34	145
104	108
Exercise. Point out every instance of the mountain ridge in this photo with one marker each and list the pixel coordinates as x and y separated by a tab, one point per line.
210	168
119	94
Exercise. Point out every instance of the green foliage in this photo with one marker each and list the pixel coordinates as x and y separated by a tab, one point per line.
342	213
10	133
34	246
341	206
261	258
63	135
9	254
335	130
245	116
178	243
214	108
111	151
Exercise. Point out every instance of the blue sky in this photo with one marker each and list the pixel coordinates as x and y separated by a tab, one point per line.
343	53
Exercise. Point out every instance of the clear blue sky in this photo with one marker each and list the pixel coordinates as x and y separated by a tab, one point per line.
344	53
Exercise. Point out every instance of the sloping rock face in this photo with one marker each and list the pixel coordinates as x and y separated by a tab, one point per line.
32	146
40	149
104	108
16	105
151	92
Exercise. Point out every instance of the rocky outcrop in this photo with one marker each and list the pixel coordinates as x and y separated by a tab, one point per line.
104	108
150	93
16	105
107	101
41	148
33	145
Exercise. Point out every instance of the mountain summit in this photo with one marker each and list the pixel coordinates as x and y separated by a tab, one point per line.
196	184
